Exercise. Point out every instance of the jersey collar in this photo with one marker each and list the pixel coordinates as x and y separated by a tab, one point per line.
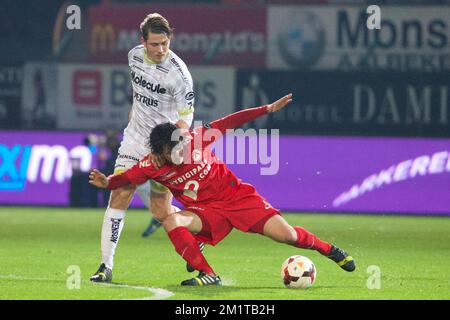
150	61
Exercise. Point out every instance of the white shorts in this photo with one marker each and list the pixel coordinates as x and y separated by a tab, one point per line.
132	149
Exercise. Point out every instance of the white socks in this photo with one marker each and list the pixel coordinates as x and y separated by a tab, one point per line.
113	224
111	230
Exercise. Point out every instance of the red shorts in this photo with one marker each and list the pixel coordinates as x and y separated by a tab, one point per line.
248	211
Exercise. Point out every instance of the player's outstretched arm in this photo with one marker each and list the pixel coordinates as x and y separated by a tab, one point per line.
138	174
280	103
98	179
241	117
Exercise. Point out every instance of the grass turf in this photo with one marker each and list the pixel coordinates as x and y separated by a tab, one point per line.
38	245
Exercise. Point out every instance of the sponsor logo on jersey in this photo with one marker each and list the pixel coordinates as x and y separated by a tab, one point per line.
202	170
176	64
125	156
189	96
145	163
146	100
140	81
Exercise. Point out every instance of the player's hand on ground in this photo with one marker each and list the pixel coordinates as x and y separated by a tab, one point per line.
280	103
98	179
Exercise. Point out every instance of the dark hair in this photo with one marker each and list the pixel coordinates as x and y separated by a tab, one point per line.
155	23
161	136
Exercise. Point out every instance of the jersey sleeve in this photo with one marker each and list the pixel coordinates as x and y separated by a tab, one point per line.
228	122
130	57
138	174
184	96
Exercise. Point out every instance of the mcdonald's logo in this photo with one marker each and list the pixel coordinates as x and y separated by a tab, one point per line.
103	38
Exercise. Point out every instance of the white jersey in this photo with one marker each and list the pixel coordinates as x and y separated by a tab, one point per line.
161	93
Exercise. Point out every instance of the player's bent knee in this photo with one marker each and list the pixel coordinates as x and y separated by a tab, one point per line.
121	197
160	215
290	235
287	234
171	222
161	210
283	233
161	205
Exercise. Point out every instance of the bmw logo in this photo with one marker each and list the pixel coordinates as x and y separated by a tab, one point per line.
302	43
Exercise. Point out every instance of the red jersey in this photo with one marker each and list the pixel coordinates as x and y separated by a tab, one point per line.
207	179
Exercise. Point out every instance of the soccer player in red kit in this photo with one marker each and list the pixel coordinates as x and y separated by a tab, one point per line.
215	200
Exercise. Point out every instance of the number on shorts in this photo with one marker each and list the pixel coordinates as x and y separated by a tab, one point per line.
191	193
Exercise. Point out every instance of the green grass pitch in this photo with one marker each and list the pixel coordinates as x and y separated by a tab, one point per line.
38	246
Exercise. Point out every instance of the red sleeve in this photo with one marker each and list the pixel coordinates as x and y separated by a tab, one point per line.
117	181
138	174
238	118
229	122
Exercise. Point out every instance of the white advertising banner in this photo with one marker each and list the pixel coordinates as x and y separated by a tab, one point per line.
96	97
93	96
214	92
338	38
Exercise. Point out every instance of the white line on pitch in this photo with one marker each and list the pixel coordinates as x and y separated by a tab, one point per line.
159	293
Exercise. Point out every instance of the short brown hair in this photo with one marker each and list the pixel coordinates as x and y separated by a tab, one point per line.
155	23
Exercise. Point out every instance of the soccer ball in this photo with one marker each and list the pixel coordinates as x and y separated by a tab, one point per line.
298	272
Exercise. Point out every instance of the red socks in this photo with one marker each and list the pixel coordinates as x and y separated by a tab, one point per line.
187	247
307	240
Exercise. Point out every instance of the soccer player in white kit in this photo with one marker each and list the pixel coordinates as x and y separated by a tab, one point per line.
162	92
